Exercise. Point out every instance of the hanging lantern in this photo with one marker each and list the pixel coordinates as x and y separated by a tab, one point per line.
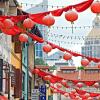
87	95
47	48
80	85
48	20
28	23
77	97
67	56
96	85
36	71
23	37
73	91
9	31
89	98
51	84
59	85
63	82
55	91
95	7
8	23
48	77
71	16
98	97
76	94
66	94
98	65
1	25
84	62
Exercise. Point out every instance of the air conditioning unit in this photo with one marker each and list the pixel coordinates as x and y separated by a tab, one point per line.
1	11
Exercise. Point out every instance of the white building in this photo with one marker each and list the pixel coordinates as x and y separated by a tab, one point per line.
92	41
57	60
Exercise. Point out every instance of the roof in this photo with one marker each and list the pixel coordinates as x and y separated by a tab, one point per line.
95	32
89	74
73	67
42	67
38	8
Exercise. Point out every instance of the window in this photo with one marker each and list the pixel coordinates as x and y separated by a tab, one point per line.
1	11
96	42
68	71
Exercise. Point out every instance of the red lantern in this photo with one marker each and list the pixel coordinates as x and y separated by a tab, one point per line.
77	97
55	91
98	65
67	56
36	71
87	95
66	94
48	20
8	23
63	82
76	94
84	62
95	7
9	31
73	91
89	98
98	97
51	84
47	48
71	16
28	23
59	85
23	37
96	85
1	25
80	85
48	77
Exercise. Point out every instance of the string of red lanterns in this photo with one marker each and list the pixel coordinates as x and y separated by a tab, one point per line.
68	55
77	94
56	79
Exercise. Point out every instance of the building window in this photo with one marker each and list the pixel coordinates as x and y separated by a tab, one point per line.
68	71
96	42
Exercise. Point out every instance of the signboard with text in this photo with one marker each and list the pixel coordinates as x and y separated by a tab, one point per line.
35	94
42	90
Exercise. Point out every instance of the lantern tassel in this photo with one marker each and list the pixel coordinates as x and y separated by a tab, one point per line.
72	27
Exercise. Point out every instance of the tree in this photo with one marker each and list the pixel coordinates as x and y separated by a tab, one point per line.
39	61
53	67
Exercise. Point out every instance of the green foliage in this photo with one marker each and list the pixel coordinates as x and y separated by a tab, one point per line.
53	67
40	61
81	68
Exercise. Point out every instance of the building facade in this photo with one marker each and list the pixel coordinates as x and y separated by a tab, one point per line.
71	74
57	60
92	41
37	9
11	66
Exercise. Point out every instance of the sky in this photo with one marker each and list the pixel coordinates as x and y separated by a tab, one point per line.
85	19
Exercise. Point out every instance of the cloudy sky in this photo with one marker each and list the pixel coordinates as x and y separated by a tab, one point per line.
85	19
